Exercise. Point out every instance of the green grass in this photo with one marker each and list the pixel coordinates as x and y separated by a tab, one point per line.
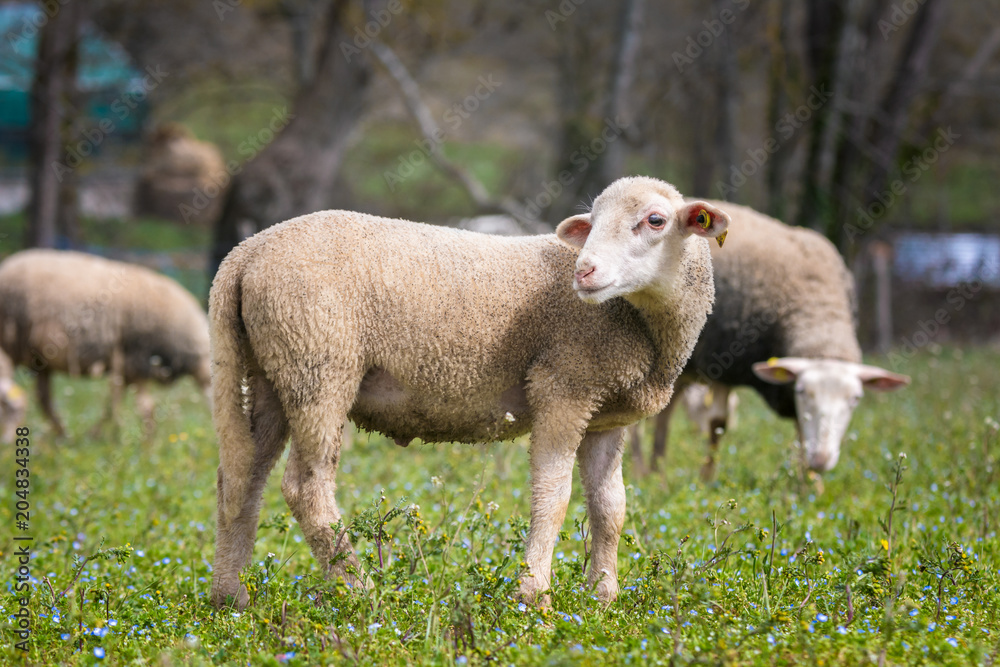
706	576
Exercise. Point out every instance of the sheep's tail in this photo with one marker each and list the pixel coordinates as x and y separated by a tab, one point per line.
231	361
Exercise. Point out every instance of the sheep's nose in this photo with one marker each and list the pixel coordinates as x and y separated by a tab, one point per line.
582	274
822	461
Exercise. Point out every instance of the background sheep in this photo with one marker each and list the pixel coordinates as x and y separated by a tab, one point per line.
425	332
86	315
179	170
783	294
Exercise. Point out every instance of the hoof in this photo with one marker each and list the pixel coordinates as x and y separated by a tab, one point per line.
224	598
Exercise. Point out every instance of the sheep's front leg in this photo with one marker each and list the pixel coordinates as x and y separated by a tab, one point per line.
553	451
146	407
600	459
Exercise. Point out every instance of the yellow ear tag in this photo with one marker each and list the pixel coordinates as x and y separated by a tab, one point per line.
780	374
704	219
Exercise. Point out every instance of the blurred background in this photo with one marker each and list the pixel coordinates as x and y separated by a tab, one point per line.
165	131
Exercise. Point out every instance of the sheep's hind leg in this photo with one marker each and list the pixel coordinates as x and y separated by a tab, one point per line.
661	432
43	386
635	432
309	483
235	538
600	457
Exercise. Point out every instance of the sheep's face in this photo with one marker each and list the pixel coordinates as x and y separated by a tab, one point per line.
13	404
826	393
633	240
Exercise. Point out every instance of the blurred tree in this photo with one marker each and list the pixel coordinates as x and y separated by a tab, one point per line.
293	174
856	140
52	211
596	62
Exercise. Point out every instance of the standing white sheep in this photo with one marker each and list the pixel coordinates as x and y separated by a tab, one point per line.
85	315
418	331
783	324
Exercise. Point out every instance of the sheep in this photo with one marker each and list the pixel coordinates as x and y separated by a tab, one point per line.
783	324
417	331
85	315
178	172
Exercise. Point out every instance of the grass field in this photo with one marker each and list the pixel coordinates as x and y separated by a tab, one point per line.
757	568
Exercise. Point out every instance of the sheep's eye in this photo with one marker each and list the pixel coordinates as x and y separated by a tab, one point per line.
656	220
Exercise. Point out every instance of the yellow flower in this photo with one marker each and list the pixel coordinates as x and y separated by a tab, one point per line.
885	544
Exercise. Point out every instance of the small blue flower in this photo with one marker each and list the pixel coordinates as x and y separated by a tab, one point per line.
952	641
99	653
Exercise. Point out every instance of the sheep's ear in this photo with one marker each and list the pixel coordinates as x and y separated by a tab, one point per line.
879	379
575	230
780	371
703	219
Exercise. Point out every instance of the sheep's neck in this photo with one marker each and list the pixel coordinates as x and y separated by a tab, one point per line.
669	321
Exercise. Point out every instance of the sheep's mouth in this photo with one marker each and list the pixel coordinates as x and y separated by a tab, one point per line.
592	293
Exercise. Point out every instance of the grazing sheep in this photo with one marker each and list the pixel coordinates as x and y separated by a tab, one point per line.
418	331
179	176
86	315
782	294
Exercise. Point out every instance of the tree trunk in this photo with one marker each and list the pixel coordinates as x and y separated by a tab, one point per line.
913	67
293	174
620	101
824	23
725	100
777	36
52	212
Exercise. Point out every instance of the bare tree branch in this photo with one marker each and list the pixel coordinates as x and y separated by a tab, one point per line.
410	90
